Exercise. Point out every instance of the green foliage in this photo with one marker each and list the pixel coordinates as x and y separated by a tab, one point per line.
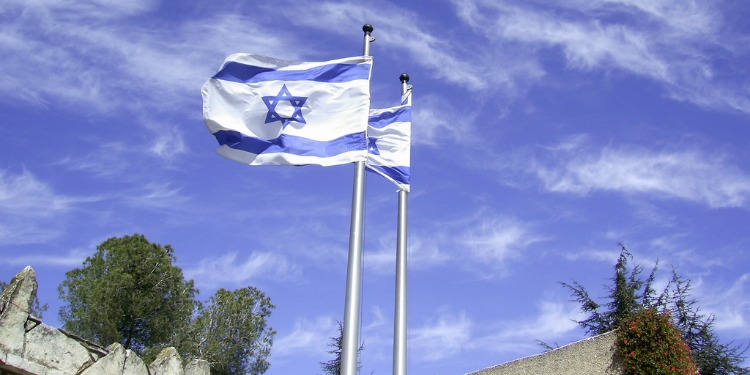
649	343
37	309
630	294
623	298
128	292
231	332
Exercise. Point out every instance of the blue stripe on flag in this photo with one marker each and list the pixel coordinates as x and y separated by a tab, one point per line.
290	144
237	72
384	119
399	174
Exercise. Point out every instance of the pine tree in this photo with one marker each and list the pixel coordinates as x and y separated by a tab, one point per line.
630	293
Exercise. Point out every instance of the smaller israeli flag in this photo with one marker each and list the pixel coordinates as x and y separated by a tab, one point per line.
389	143
267	111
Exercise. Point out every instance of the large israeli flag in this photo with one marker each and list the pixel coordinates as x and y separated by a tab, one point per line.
389	143
265	111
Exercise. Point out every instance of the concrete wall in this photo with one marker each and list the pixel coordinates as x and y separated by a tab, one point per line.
28	346
592	356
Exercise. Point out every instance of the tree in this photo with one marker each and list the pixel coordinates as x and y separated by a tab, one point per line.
37	309
630	294
333	367
128	292
231	332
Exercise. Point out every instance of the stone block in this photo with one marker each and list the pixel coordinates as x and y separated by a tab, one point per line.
197	367
15	307
168	362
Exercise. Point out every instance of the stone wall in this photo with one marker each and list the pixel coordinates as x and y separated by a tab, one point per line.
592	356
28	346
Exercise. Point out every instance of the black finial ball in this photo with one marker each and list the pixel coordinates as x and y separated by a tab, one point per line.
404	78
367	28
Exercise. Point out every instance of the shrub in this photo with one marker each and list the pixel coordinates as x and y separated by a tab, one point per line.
650	343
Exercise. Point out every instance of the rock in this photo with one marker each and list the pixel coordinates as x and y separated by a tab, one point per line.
52	348
15	303
134	364
197	367
28	346
111	364
168	362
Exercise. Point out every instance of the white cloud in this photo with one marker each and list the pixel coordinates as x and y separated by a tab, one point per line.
72	259
89	55
423	253
442	338
688	18
487	243
31	211
160	196
684	174
493	241
674	43
403	34
229	269
730	306
555	321
440	121
310	336
25	195
169	142
449	334
456	59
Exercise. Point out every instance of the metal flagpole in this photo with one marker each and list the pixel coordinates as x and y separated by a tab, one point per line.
400	321
352	308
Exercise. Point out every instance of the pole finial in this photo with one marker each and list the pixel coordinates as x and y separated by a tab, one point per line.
404	78
367	28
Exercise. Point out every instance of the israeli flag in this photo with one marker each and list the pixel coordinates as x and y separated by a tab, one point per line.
265	111
389	143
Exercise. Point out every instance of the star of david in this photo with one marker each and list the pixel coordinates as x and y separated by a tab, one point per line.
372	146
284	96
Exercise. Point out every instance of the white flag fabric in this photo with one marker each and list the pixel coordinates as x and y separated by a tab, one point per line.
265	111
389	143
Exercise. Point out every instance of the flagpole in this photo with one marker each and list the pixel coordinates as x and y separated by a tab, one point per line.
400	338
352	307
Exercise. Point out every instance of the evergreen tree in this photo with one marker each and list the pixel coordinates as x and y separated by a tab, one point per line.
630	294
333	367
231	332
128	292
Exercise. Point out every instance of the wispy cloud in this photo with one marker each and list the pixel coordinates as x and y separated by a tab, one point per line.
31	211
440	122
160	196
72	259
443	337
449	333
310	336
89	55
25	195
555	321
494	241
423	253
230	269
487	242
667	41
691	175
730	306
404	35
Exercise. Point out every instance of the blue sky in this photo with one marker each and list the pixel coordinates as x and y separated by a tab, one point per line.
545	132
